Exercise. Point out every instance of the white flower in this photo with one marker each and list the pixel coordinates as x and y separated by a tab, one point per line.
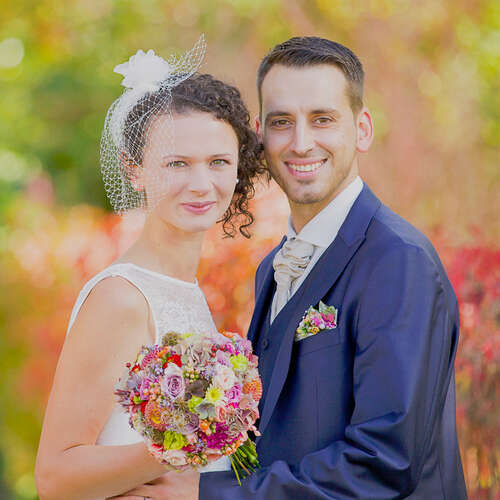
143	71
175	457
224	377
251	374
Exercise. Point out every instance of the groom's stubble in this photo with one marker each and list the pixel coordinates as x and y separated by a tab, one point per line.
307	120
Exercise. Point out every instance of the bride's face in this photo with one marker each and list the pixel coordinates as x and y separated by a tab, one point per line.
190	169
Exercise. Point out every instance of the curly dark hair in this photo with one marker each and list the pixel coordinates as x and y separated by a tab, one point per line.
203	92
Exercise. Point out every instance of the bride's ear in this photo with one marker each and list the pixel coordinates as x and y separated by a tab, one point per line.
132	171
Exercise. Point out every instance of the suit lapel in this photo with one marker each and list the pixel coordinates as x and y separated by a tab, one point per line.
321	279
263	297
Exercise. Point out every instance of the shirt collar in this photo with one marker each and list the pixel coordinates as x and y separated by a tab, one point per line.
322	229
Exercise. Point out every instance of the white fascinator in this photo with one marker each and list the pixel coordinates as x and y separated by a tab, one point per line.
148	81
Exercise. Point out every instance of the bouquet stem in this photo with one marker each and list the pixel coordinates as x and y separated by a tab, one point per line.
244	460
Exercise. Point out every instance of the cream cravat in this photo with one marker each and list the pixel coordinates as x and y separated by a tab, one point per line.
289	263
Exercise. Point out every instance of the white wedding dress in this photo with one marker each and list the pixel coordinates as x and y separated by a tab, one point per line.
175	305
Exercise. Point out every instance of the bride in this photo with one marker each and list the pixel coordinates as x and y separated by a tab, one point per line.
177	144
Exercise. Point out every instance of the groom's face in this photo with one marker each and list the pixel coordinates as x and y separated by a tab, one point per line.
309	132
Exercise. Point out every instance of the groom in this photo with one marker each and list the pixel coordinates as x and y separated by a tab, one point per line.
365	407
360	402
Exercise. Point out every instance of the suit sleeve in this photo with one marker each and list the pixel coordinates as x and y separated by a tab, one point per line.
405	340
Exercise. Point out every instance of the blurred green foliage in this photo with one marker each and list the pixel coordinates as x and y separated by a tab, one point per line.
433	84
445	54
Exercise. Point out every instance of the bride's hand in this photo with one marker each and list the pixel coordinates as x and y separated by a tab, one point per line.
171	485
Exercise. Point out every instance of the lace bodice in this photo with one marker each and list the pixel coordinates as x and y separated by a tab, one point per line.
175	305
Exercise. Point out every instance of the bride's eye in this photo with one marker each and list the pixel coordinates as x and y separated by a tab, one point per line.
219	162
176	164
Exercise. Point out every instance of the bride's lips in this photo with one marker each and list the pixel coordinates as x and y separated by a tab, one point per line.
303	169
201	207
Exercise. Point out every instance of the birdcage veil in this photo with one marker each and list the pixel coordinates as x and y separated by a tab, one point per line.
138	127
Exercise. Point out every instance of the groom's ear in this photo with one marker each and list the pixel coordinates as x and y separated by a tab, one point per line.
259	132
364	127
258	128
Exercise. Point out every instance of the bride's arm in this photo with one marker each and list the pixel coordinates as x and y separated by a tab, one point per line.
109	331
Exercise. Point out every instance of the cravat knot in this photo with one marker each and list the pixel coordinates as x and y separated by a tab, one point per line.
289	264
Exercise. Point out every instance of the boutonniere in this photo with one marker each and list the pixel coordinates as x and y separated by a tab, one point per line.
316	320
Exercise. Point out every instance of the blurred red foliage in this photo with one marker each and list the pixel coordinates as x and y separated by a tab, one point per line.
475	274
50	254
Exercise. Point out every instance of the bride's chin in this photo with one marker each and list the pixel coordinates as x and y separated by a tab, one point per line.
193	226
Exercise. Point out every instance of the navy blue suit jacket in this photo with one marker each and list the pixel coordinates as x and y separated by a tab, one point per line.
365	410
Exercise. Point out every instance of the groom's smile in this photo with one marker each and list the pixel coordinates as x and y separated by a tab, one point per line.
304	169
310	133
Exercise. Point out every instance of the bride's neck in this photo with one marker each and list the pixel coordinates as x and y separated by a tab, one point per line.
166	249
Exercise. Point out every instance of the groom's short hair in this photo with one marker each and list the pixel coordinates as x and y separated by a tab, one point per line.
302	51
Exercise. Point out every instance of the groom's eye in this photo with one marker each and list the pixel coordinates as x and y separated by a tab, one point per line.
323	120
280	122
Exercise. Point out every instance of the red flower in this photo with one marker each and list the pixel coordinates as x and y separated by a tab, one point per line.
175	358
143	407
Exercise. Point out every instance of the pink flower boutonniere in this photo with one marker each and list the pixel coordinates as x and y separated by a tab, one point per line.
316	320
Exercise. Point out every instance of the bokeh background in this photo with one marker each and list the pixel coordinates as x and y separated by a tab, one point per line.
433	84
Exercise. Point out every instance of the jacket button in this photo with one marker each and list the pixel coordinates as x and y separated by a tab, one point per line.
265	344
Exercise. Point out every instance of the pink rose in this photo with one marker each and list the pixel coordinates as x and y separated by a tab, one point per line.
146	383
222	358
246	346
254	359
221	413
234	395
191	438
330	320
248	403
317	321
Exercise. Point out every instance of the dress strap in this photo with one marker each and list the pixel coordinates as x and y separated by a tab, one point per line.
121	270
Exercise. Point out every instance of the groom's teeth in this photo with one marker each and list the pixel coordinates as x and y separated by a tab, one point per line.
306	168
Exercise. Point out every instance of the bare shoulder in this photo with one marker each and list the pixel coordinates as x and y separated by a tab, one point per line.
108	332
113	307
118	294
114	299
109	329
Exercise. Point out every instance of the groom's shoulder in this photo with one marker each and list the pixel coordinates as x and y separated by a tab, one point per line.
395	244
389	227
389	231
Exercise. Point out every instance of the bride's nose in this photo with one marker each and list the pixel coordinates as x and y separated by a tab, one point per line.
200	181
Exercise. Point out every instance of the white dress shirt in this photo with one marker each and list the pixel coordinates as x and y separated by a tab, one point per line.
322	229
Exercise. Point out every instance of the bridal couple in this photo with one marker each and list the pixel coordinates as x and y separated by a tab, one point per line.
363	409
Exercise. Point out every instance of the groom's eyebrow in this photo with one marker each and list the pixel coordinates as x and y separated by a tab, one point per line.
274	114
325	111
319	111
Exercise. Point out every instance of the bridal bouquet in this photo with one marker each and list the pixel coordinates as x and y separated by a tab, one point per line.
194	398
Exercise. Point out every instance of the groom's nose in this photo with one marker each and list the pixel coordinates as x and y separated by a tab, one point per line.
303	140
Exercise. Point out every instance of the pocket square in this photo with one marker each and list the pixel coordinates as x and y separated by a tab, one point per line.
315	321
